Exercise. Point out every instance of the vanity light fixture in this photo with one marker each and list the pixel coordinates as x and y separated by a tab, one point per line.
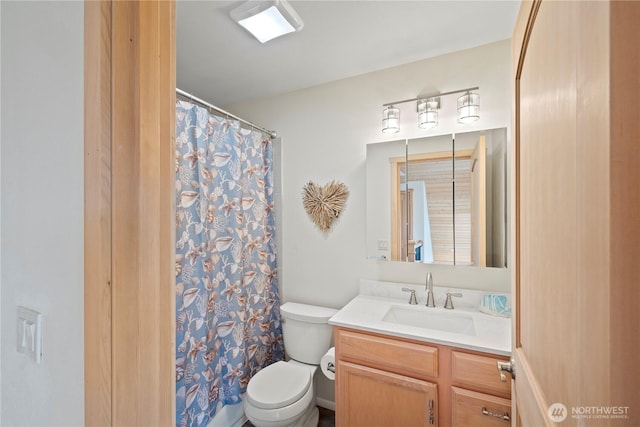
428	112
390	119
428	107
266	20
468	107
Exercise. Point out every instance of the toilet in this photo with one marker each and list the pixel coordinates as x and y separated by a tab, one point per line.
283	394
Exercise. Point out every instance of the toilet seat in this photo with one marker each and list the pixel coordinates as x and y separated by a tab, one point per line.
278	385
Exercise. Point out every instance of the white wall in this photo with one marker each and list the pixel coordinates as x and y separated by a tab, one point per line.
324	132
42	208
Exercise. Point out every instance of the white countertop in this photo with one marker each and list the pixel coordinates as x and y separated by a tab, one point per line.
366	311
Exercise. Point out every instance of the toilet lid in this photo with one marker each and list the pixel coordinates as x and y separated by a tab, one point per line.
278	385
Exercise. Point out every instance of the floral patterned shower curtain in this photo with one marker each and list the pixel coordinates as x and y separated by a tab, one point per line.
227	303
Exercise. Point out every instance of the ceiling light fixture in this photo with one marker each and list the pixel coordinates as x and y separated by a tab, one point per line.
390	119
266	20
428	112
468	107
428	107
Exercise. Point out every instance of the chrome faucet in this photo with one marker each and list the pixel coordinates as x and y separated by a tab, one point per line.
429	287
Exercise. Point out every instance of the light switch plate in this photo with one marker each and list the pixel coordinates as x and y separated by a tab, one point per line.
29	336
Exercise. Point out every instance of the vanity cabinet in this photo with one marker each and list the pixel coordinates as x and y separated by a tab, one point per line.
388	381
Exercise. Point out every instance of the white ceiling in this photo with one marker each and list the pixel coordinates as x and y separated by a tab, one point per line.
220	62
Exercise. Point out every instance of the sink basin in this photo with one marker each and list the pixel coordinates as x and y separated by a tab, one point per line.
427	318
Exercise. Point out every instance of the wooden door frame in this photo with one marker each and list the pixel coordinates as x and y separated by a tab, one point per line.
129	320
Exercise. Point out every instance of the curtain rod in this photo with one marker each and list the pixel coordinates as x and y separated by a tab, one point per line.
190	97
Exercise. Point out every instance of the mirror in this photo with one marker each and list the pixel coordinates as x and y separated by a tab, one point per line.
439	199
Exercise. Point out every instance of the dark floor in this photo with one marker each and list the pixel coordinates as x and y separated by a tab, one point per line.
327	419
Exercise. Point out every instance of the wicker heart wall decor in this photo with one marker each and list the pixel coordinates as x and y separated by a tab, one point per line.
324	204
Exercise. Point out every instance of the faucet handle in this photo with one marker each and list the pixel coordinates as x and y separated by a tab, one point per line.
412	298
448	304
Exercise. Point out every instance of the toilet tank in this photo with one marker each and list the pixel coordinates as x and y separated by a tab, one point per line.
306	331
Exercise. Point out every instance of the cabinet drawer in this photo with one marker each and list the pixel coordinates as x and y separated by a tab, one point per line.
470	408
406	358
478	372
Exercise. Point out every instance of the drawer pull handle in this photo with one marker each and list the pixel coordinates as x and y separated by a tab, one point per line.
504	416
431	417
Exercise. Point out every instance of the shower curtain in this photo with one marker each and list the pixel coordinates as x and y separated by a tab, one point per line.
227	303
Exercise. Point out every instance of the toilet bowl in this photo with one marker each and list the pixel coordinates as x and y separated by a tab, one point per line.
283	394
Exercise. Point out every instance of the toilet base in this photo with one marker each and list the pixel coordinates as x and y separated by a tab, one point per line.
310	418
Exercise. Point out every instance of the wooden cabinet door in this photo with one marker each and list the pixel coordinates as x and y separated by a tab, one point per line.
368	397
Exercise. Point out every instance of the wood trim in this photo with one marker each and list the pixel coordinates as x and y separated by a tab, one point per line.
592	198
97	213
522	33
478	199
406	233
125	353
520	40
624	273
167	225
143	99
396	243
440	155
129	205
